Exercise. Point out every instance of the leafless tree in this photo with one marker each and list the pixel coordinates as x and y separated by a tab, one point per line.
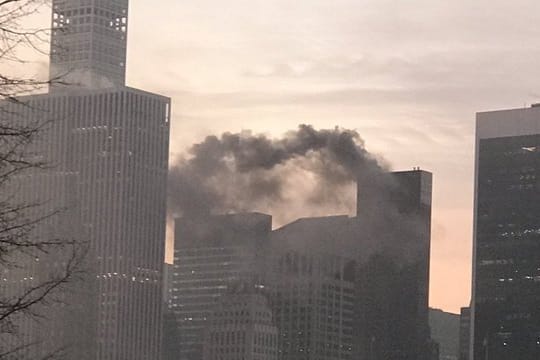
15	38
20	218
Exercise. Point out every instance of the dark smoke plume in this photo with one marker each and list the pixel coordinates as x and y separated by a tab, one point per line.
305	173
246	172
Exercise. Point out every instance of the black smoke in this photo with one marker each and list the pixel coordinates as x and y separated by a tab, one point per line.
253	172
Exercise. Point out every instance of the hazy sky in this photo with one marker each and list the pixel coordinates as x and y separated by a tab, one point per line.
408	75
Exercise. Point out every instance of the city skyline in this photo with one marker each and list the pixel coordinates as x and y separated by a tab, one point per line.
338	286
405	76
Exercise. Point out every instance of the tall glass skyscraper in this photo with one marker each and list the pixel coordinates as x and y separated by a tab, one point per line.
112	142
506	269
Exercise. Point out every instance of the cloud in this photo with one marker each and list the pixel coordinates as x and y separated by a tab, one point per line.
409	74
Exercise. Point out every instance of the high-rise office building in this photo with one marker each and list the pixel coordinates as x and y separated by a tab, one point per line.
64	322
311	285
88	43
392	314
339	291
211	254
112	141
310	291
115	143
335	288
506	272
241	326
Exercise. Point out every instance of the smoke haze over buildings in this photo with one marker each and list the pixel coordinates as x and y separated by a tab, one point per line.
246	171
383	252
307	172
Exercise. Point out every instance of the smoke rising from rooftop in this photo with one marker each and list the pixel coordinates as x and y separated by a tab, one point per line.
247	172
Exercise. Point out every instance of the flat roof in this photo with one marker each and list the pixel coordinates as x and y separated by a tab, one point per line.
507	123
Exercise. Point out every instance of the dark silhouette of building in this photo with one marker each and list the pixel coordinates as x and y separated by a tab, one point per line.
464	333
506	272
342	292
392	286
445	331
170	338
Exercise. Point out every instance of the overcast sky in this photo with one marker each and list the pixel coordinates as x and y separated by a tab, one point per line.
408	75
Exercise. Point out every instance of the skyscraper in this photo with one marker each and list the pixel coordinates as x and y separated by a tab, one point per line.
506	273
241	327
311	282
338	287
89	42
66	319
392	284
211	254
112	141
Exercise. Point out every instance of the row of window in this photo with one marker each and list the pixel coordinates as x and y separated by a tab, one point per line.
87	11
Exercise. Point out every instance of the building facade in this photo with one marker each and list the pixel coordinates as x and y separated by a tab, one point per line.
336	290
392	283
65	321
506	275
88	43
112	141
168	271
241	327
170	348
212	253
464	333
312	289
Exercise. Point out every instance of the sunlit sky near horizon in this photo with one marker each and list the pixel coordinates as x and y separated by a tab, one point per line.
407	75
